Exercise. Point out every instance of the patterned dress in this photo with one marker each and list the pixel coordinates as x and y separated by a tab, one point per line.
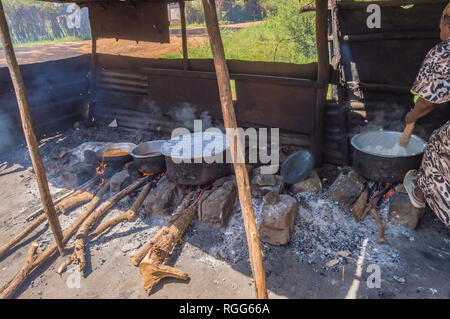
433	84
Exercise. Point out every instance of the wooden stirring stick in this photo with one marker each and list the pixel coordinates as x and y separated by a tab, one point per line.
407	132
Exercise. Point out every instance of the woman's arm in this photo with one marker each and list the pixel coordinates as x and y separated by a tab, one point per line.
422	108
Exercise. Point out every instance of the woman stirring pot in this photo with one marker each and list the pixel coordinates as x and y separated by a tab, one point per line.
431	184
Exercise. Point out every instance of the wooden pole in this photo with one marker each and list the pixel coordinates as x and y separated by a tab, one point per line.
30	137
184	34
323	75
229	116
92	77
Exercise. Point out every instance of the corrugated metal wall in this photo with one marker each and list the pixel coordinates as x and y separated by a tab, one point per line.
57	92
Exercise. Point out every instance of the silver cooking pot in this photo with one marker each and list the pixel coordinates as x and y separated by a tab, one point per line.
191	159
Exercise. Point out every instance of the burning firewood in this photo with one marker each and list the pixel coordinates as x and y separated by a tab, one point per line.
78	255
20	277
380	225
152	267
372	208
358	209
128	215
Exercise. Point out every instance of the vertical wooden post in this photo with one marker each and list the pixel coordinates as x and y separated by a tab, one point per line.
184	34
229	117
92	77
30	137
323	75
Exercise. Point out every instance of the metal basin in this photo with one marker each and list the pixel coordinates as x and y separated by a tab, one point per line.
377	156
148	157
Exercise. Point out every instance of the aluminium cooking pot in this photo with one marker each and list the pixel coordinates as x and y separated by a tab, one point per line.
116	161
196	159
372	157
148	157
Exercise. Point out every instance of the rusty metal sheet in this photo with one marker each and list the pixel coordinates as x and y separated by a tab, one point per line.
274	105
171	91
138	21
393	19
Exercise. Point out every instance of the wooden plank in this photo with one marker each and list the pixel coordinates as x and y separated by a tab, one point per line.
302	71
237	76
242	178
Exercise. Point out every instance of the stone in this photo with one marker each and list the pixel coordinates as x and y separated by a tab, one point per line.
277	222
400	189
119	181
223	180
402	212
266	180
165	198
262	184
217	207
347	188
133	170
272	198
90	157
58	152
310	185
77	174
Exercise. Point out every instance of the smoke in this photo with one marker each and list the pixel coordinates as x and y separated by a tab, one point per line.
387	116
186	114
7	132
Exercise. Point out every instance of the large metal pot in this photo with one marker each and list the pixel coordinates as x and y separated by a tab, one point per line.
148	157
375	157
196	163
116	161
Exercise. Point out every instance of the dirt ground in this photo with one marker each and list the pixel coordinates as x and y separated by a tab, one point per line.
50	52
413	264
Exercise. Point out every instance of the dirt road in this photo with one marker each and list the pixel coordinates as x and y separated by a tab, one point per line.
49	52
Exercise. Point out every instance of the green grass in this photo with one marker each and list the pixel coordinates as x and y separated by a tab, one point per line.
259	42
44	42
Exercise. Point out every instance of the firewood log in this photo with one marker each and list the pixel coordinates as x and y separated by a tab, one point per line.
50	250
8	290
152	267
30	228
358	209
75	201
74	192
143	251
128	215
78	255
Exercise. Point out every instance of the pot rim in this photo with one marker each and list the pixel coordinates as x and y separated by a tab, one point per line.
399	134
112	146
166	149
132	152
